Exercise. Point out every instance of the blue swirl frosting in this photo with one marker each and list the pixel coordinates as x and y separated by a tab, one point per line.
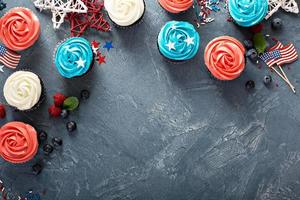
248	12
178	41
73	57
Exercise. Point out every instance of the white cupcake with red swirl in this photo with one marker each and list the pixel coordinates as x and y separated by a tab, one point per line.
19	29
225	58
18	142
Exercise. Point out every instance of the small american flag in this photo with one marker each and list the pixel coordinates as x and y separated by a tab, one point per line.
270	56
288	54
8	57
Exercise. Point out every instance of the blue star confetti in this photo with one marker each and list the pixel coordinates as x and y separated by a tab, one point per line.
108	45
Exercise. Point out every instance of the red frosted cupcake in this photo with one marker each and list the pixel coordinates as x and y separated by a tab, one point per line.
225	58
176	6
19	29
18	142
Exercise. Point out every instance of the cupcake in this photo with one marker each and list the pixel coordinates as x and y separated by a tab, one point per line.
225	58
18	142
23	90
178	41
73	57
176	6
19	29
248	13
125	13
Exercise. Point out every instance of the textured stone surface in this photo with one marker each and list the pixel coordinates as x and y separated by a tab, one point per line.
154	130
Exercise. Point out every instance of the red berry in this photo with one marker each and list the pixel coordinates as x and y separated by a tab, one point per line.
257	28
59	99
54	111
2	111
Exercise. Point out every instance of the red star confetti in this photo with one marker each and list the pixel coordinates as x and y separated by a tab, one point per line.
95	43
94	18
100	58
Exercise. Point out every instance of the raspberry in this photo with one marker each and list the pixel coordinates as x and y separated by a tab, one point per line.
2	111
257	28
54	111
59	99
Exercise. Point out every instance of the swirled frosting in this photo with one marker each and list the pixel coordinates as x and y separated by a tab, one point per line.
73	57
22	90
19	29
124	12
178	40
18	142
176	6
248	12
224	58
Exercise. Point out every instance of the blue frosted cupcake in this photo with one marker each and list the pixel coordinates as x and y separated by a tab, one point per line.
178	41
248	13
73	57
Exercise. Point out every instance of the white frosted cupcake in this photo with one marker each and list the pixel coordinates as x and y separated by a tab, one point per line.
125	13
23	90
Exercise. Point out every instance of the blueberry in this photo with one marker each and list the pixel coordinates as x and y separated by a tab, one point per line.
267	80
37	168
47	148
2	6
85	94
64	113
248	44
252	54
71	126
276	23
42	135
250	85
57	141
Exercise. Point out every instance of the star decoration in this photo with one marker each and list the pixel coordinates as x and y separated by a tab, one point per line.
80	63
171	45
100	58
1	68
108	45
189	40
94	18
95	43
287	5
95	46
173	27
60	8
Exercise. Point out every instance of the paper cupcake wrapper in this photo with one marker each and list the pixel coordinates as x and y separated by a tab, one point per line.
42	97
54	53
141	20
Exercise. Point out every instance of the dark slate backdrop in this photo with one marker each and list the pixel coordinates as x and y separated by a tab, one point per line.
155	130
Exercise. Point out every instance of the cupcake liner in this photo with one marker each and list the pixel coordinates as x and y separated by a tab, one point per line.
55	49
141	20
10	10
42	97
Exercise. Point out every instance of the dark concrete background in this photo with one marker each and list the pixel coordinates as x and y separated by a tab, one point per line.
154	130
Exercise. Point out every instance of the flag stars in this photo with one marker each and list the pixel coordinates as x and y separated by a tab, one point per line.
80	63
189	40
171	45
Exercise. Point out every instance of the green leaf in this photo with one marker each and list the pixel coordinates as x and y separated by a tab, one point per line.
260	43
71	103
